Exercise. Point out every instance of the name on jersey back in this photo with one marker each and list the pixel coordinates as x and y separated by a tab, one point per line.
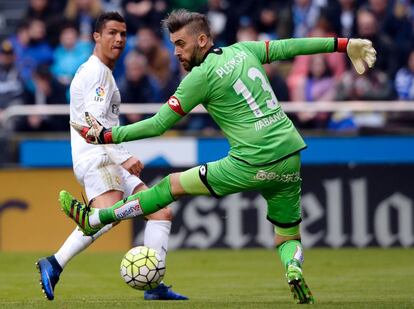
233	63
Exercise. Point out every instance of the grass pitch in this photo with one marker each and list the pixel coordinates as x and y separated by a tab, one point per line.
340	278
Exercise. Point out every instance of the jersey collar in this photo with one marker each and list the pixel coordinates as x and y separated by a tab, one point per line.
212	50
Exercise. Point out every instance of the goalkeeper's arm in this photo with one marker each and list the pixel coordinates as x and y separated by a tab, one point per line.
154	126
165	119
358	50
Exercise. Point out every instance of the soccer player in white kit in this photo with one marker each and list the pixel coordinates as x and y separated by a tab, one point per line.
108	172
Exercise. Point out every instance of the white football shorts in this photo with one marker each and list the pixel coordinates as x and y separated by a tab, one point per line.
99	174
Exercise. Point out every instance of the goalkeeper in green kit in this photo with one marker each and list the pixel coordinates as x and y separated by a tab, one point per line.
231	84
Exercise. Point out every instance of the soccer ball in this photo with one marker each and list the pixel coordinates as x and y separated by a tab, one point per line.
142	268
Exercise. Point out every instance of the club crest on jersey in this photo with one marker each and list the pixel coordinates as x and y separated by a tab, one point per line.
100	93
175	105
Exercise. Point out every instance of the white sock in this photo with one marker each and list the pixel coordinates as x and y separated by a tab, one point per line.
94	220
76	243
156	236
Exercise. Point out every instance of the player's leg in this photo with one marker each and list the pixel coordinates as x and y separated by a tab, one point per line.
283	199
290	250
190	183
52	266
77	241
142	203
157	232
103	192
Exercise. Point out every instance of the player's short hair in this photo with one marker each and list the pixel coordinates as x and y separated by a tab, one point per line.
105	17
180	18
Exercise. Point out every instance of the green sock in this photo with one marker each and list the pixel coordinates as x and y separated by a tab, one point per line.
140	204
291	252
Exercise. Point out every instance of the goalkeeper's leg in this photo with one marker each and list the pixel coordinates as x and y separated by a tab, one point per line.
283	200
142	203
291	254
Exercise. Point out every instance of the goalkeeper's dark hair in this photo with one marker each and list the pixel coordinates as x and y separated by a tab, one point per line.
105	17
180	18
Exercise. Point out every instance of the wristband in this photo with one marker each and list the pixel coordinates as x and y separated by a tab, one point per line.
340	44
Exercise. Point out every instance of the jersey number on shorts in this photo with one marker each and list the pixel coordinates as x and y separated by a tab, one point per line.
241	88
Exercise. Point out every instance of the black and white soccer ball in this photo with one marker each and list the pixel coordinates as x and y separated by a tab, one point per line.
142	268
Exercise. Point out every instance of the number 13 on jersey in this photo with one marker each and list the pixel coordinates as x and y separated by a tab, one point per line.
241	88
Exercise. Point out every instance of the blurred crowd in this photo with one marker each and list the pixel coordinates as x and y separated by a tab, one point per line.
38	60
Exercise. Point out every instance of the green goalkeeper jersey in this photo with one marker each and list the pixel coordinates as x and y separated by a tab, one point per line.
233	87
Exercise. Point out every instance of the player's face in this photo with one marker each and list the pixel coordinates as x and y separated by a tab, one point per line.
111	40
187	48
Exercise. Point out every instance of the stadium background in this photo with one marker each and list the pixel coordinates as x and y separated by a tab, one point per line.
357	168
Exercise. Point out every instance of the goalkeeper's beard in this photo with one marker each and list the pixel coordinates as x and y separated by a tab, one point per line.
194	61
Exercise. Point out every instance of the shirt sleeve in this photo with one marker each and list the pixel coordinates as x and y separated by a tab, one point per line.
98	91
191	92
269	51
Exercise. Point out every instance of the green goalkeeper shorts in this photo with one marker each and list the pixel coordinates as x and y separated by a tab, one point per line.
279	183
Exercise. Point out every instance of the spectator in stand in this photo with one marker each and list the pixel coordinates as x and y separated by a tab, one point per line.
247	32
266	19
399	28
47	90
382	9
404	80
50	11
143	13
70	54
347	18
223	23
38	51
84	14
305	14
11	85
137	86
367	27
111	5
159	61
317	86
373	85
300	66
404	86
38	9
242	9
20	40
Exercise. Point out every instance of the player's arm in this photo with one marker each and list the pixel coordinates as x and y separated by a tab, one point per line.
97	94
358	50
163	120
191	92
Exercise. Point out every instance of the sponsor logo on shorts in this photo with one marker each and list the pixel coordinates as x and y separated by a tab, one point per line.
175	105
263	175
129	210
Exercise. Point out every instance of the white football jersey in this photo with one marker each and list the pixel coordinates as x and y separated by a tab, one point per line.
93	89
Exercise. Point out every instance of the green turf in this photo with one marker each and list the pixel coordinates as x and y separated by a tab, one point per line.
343	278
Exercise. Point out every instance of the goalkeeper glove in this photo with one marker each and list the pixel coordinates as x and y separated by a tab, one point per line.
95	133
360	51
